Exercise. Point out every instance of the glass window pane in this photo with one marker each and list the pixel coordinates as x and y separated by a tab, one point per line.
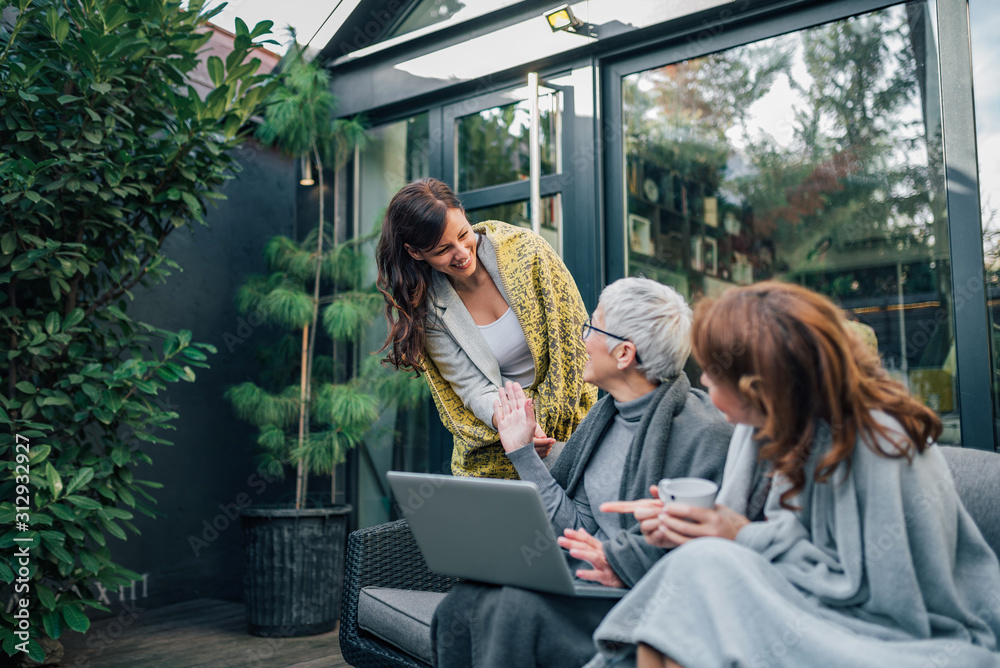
396	154
519	213
493	145
815	158
985	24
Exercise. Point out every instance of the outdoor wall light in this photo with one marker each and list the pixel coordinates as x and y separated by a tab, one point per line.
307	172
562	18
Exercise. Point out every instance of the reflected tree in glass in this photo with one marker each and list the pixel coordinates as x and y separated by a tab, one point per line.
493	146
814	157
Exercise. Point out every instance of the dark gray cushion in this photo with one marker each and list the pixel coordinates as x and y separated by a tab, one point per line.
977	480
401	617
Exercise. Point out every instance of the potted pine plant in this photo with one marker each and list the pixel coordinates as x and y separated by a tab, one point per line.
309	411
309	414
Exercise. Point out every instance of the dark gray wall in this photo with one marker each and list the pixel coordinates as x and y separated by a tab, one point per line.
208	472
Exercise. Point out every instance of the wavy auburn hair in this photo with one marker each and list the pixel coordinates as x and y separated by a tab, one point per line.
415	216
789	354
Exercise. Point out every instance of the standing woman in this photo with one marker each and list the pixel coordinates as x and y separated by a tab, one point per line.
867	556
474	307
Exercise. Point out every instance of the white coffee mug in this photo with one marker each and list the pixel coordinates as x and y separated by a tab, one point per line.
692	491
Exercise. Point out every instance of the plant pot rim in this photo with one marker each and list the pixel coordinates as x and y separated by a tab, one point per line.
284	511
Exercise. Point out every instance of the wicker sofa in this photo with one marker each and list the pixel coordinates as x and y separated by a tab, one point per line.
387	579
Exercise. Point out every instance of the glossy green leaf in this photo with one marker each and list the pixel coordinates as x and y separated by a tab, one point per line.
62	512
74	318
82	477
52	322
120	455
84	502
55	482
113	529
60	553
35	651
62	31
39	453
90	562
52	621
216	70
117	513
75	619
45	596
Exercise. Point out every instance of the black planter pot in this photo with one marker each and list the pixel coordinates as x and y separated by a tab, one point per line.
294	569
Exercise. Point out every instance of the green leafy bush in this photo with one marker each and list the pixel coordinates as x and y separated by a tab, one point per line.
105	149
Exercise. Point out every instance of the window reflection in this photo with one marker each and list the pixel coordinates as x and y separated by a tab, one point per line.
396	154
815	158
493	145
519	213
985	27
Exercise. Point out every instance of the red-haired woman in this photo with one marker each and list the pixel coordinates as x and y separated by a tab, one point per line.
867	556
473	307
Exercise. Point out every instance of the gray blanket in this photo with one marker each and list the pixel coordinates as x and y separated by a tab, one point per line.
882	567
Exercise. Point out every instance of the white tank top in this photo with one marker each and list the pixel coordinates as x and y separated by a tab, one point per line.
506	340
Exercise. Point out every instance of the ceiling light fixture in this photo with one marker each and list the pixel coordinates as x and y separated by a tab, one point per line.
307	172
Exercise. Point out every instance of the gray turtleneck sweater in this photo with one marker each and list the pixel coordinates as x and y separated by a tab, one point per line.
602	478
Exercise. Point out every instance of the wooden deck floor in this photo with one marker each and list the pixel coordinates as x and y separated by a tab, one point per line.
203	633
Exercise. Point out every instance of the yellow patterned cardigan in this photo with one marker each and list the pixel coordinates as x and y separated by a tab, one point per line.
548	305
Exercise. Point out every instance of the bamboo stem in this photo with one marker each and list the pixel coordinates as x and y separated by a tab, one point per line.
300	480
319	267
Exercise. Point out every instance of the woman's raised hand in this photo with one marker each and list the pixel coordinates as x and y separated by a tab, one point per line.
514	415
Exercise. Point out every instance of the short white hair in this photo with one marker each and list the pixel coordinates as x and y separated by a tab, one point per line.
654	317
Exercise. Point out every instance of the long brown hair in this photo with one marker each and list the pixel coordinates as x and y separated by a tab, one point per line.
789	354
415	216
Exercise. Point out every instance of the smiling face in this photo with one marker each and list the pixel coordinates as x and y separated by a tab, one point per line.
732	404
455	252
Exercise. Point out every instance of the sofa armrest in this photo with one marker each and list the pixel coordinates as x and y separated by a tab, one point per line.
976	473
382	556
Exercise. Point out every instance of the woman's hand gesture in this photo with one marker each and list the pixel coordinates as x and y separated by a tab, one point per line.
647	514
583	546
514	414
677	523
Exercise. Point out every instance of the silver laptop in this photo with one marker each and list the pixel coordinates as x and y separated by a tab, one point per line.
488	530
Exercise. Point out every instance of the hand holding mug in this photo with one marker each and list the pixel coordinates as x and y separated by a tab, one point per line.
673	524
647	514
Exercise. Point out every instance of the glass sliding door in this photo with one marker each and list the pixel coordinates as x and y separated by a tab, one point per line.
490	163
492	145
396	154
814	157
985	29
519	213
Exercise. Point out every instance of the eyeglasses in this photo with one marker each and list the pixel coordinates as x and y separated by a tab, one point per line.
588	328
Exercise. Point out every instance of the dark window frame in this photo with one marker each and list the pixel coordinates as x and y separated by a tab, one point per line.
971	323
